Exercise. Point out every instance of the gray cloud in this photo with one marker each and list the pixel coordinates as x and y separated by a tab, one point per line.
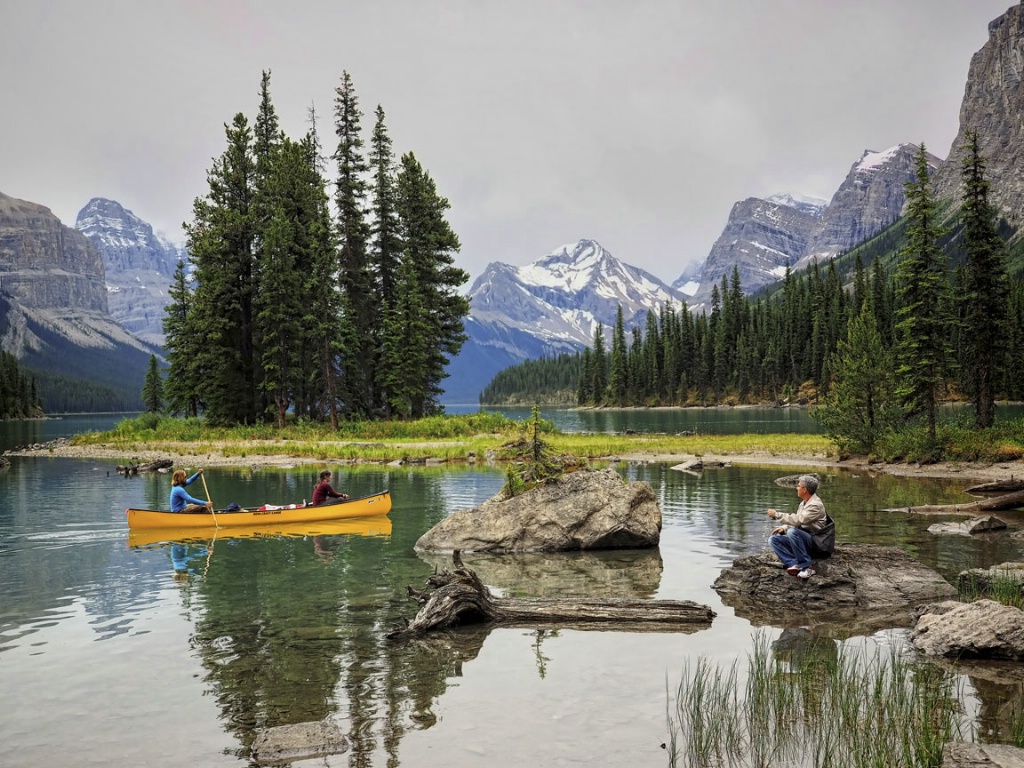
637	123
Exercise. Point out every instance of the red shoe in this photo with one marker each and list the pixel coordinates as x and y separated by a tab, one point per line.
793	570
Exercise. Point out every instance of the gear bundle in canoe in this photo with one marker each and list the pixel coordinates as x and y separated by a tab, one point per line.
268	514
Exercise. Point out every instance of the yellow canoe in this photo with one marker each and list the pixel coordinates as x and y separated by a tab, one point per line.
365	506
356	526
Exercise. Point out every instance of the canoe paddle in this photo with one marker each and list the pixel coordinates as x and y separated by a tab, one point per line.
209	499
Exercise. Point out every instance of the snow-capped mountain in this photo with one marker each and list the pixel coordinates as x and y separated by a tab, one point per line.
139	265
550	306
763	236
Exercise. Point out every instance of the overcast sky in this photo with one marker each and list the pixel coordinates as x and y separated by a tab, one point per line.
637	123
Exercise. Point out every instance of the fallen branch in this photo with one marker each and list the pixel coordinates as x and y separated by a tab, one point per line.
1006	501
459	598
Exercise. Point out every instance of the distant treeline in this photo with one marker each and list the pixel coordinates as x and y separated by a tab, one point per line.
547	381
18	399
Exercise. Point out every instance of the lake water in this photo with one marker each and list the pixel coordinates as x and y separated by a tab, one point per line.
109	656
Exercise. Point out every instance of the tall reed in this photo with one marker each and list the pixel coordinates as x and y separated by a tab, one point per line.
813	703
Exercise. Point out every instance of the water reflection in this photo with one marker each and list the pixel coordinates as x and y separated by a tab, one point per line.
277	629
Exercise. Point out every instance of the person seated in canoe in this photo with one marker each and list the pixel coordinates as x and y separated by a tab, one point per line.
323	491
180	500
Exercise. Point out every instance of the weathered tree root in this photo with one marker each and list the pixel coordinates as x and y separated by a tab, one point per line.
460	598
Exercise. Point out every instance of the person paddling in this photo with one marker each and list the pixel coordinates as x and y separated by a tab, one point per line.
180	500
323	490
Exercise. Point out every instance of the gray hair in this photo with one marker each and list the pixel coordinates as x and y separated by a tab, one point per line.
810	482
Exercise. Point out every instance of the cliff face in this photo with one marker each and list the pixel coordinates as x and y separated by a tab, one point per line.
45	265
993	106
870	198
139	266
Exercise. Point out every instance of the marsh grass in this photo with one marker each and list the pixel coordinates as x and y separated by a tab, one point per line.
1004	588
446	438
814	704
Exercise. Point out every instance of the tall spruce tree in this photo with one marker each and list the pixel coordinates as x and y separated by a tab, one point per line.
359	301
428	247
220	240
861	403
619	380
182	342
985	300
923	316
323	318
153	388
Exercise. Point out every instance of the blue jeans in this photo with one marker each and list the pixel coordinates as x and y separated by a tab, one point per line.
793	547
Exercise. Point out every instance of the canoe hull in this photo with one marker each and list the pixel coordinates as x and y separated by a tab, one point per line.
355	526
365	506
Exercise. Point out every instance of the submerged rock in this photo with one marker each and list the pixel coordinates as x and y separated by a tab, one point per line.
301	741
960	754
984	524
579	511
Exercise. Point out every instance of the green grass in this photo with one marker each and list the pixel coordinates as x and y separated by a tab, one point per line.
444	438
814	703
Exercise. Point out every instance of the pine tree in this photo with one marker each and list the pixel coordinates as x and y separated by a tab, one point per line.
599	365
358	297
220	240
153	388
619	380
861	402
985	301
181	340
923	318
428	248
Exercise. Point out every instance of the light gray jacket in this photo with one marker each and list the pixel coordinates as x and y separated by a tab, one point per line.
810	516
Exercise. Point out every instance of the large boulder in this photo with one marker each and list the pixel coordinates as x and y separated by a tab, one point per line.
983	629
878	585
579	511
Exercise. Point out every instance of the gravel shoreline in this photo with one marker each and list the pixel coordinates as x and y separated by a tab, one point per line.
189	457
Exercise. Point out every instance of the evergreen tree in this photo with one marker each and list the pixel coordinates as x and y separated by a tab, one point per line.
428	248
153	388
358	297
220	240
860	405
183	386
619	379
923	313
599	365
985	300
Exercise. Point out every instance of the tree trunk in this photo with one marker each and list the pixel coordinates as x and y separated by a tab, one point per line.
1006	501
460	598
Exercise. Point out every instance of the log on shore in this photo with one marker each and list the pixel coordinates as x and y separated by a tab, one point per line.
153	466
997	486
1006	501
458	597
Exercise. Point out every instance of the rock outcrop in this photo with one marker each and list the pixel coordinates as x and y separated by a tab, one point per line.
859	579
961	754
580	511
983	629
45	265
139	266
985	524
992	106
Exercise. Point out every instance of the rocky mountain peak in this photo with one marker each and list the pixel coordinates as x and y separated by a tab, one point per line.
992	107
139	265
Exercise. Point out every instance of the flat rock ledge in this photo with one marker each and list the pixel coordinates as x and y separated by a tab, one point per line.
858	578
584	510
300	741
983	629
960	754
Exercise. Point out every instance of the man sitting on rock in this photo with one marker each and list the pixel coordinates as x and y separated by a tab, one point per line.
792	541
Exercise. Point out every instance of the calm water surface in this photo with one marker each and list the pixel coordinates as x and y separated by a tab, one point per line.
110	656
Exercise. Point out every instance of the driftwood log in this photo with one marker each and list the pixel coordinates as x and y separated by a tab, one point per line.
458	597
997	486
1006	501
134	468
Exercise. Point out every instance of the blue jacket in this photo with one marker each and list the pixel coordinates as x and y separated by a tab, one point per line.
180	498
